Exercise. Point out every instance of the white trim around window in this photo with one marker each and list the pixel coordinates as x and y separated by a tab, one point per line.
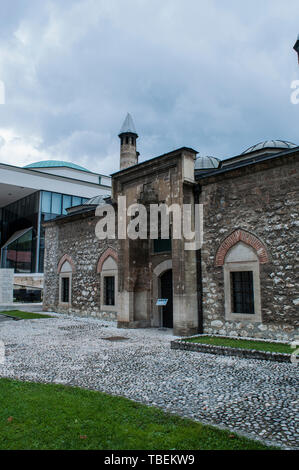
254	267
61	277
107	273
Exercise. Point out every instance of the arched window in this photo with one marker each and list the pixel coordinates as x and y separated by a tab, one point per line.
108	270
65	271
242	283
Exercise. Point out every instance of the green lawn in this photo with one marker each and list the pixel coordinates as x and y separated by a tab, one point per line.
39	416
24	315
243	344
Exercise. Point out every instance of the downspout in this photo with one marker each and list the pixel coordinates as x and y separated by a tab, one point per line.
197	192
38	232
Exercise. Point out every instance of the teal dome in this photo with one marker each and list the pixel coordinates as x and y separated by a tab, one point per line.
56	164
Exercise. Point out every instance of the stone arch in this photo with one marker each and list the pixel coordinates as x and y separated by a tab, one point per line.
164	266
66	258
245	237
104	256
156	289
107	268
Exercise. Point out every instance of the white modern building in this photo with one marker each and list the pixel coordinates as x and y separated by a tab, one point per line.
31	195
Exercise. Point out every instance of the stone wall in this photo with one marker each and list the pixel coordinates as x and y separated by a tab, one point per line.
257	203
183	345
168	179
261	199
74	236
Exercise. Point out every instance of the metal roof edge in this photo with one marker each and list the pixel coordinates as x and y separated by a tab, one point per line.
43	173
242	164
189	149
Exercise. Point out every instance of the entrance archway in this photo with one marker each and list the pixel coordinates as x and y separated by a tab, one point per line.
167	293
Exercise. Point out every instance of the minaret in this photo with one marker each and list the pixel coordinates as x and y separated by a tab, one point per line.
128	137
296	47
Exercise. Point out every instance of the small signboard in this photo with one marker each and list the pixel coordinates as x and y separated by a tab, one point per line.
161	302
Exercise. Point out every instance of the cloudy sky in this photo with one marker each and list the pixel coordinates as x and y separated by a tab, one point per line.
214	75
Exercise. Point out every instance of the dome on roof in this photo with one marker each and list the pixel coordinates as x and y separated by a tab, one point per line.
274	144
55	164
206	163
96	200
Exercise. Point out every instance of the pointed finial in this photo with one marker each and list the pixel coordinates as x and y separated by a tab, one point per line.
128	126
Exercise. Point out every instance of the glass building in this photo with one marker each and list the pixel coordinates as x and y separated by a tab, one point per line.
21	230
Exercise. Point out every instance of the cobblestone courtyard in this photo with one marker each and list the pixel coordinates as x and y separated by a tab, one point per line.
253	397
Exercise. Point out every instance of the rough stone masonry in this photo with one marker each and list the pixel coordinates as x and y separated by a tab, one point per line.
261	199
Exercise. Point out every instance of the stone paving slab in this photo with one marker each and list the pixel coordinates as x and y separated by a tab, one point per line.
252	397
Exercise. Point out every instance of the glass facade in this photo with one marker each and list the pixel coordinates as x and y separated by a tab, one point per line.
21	231
18	254
17	241
54	204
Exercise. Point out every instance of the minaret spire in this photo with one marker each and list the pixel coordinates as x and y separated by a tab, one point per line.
128	137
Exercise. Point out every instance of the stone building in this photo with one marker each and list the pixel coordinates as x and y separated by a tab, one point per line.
159	268
75	262
251	233
242	282
31	195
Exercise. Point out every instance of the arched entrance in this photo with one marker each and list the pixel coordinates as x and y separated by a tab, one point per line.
166	293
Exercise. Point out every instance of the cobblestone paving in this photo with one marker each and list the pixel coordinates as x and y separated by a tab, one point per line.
252	397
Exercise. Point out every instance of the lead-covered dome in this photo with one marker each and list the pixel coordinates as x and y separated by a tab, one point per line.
206	163
271	144
97	200
56	164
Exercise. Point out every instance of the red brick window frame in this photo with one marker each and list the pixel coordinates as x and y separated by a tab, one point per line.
245	237
65	280
63	260
105	274
104	256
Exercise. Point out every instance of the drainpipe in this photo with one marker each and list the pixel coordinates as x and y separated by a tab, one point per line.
197	192
38	232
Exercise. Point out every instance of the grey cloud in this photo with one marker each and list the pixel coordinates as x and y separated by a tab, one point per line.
214	75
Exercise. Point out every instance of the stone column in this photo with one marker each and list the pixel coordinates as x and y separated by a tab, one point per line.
185	301
6	286
184	273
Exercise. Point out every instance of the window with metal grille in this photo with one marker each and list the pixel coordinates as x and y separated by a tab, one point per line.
65	289
109	290
242	292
